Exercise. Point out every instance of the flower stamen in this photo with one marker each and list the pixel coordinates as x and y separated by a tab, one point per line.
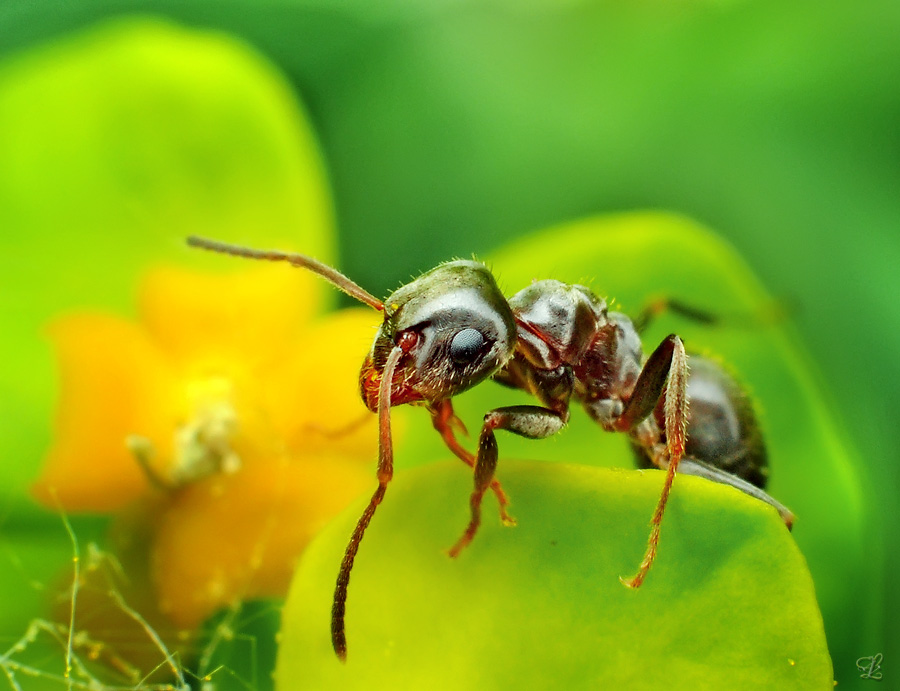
203	445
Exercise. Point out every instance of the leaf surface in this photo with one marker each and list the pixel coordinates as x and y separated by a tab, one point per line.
729	603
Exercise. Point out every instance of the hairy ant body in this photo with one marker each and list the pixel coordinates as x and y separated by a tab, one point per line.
452	328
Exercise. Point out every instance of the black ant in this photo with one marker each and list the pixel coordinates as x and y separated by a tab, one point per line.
452	328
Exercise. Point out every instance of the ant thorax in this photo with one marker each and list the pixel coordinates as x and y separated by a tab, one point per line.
570	345
557	322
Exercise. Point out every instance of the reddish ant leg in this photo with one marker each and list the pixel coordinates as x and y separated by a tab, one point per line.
530	421
664	374
385	473
443	419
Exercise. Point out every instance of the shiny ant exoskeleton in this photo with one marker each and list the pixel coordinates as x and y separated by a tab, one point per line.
452	328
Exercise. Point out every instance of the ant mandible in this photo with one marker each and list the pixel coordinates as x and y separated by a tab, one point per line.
452	328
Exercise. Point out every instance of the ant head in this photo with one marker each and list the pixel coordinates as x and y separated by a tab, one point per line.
455	329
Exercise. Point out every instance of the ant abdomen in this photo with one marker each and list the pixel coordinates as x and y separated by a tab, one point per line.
723	431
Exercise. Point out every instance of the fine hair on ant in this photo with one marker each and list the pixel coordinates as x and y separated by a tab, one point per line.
451	329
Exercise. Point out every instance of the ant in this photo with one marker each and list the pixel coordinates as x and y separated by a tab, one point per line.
452	328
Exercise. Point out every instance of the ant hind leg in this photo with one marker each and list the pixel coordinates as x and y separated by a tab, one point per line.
691	466
660	305
774	312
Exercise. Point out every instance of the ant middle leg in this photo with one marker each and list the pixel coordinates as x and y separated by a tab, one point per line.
664	374
530	421
444	420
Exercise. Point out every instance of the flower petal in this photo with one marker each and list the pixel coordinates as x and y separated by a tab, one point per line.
234	537
313	397
251	316
115	383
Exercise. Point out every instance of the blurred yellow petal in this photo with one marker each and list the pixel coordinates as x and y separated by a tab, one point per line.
114	383
313	397
249	316
233	537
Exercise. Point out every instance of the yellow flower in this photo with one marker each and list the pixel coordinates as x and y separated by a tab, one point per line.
228	413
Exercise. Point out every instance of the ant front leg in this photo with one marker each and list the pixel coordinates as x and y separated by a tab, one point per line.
664	374
532	422
443	419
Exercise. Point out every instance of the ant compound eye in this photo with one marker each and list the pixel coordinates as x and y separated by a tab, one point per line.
466	346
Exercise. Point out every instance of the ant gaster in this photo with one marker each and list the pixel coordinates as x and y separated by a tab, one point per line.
452	328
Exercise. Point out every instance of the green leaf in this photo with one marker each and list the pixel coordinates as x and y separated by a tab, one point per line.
729	603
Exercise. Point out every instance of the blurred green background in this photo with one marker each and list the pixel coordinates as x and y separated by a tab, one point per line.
451	127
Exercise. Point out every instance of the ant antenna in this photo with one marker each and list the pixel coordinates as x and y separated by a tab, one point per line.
385	473
333	276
